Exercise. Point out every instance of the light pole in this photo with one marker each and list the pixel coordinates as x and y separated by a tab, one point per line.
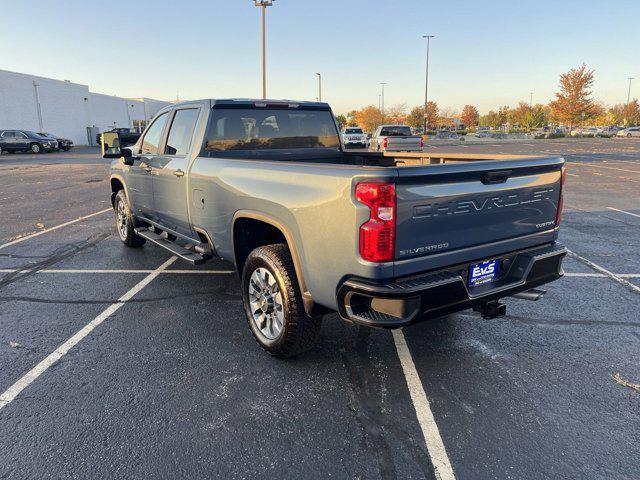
530	100
426	83
319	86
629	91
38	109
264	4
382	100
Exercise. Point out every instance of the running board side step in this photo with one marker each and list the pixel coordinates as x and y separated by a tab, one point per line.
185	254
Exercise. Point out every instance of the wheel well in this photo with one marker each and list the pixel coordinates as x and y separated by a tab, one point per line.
116	186
249	234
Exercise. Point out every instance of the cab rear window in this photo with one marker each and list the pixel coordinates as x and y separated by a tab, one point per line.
238	129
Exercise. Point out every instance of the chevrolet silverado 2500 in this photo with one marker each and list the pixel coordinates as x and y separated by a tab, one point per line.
384	239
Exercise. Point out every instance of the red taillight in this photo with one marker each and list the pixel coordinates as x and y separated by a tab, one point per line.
421	142
385	142
563	179
377	235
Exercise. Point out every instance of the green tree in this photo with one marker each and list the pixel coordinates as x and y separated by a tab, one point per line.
535	117
341	120
415	118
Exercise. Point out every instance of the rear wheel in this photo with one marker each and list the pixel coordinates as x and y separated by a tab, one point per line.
35	148
273	303
124	222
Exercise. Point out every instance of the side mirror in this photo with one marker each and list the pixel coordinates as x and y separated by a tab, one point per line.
127	156
111	145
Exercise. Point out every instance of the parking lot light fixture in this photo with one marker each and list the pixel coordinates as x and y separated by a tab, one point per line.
263	4
629	91
382	100
426	83
319	86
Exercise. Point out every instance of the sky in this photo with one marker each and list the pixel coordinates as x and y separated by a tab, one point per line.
488	54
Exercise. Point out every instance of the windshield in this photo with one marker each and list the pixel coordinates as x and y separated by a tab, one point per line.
265	129
356	131
32	134
397	131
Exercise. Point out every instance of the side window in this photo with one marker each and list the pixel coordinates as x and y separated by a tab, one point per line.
153	135
21	135
7	134
180	132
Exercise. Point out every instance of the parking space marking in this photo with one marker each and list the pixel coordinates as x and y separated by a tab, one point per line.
602	166
602	275
71	271
622	211
14	390
46	230
435	446
598	268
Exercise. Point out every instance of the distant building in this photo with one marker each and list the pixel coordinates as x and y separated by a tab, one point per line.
67	109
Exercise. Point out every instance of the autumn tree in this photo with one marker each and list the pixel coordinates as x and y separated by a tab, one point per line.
351	118
415	118
574	102
519	114
631	113
470	116
369	118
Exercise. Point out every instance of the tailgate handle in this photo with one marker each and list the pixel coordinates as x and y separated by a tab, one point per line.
500	176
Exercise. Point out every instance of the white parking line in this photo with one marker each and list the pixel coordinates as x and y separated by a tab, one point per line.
598	268
14	390
435	446
602	275
133	271
46	230
622	211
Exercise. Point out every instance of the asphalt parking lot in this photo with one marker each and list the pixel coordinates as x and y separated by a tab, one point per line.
121	363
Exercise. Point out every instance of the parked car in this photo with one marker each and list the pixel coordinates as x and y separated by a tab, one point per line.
395	138
607	132
386	239
25	141
354	137
447	135
483	134
63	143
584	132
127	136
629	132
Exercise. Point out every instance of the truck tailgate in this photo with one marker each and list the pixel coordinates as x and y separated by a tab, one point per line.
397	143
443	209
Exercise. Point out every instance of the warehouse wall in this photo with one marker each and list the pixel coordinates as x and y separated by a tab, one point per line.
66	108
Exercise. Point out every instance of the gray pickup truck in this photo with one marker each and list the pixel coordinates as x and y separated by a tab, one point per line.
395	138
384	239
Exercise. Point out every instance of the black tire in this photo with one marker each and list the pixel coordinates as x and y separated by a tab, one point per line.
125	231
299	331
66	149
35	148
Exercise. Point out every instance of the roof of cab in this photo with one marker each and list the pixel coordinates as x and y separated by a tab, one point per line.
251	102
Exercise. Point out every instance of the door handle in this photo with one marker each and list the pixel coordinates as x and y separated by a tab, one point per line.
178	173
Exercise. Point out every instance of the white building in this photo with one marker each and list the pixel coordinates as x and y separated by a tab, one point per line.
67	109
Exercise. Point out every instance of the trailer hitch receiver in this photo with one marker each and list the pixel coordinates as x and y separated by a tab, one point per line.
492	309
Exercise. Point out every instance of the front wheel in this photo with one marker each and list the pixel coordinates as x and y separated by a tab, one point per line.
273	303
124	222
35	148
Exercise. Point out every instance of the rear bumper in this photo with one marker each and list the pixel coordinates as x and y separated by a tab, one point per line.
402	301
